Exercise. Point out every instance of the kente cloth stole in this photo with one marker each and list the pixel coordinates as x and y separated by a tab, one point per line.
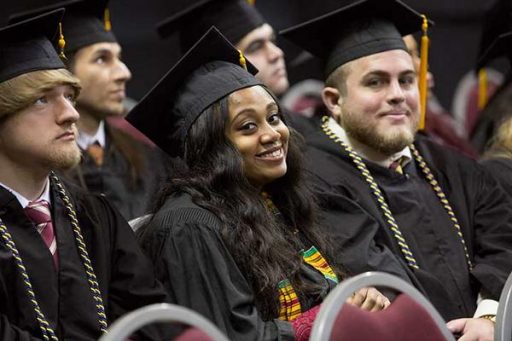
289	305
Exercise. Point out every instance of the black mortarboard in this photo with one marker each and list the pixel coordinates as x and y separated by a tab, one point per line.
84	23
234	18
358	29
497	22
209	71
500	47
27	46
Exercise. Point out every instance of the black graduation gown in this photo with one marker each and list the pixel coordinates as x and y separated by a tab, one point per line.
196	268
501	169
114	179
364	241
126	277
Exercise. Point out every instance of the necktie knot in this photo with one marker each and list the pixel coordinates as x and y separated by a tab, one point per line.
96	152
399	164
39	212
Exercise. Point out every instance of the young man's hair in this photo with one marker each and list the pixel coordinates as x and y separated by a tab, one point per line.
20	92
338	79
501	143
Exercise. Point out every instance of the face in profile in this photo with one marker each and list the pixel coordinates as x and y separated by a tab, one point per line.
380	105
255	128
43	135
259	46
103	77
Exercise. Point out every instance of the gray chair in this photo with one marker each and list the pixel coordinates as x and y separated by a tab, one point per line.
160	312
332	307
503	328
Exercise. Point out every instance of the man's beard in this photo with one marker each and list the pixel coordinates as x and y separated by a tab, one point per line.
65	158
368	133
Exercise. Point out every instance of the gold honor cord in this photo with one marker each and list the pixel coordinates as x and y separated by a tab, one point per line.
390	219
442	198
47	331
411	261
84	255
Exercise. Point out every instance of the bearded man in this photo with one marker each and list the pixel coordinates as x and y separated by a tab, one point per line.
421	211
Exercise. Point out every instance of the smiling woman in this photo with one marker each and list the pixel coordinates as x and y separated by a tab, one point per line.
256	129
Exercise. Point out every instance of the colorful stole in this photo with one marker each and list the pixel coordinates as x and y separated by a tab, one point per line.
289	305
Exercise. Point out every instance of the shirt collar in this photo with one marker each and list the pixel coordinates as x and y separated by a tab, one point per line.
24	201
84	140
364	151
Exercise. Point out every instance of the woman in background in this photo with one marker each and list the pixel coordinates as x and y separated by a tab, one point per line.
498	157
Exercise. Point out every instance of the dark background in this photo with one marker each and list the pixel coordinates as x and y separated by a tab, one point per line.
454	39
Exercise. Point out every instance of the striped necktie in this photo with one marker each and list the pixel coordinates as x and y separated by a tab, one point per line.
39	212
399	164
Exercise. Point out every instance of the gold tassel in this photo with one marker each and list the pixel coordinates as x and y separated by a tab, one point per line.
482	88
422	82
243	62
251	2
106	19
62	43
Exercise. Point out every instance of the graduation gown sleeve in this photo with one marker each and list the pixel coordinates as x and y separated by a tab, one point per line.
500	168
492	234
199	273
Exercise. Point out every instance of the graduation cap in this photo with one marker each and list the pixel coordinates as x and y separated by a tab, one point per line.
359	29
27	46
234	18
209	71
497	22
86	22
500	47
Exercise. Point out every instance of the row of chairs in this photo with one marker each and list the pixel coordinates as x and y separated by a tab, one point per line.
409	317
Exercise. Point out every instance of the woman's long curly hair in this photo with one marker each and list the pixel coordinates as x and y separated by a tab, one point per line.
265	248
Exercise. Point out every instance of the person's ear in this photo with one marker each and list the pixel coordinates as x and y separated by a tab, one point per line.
332	100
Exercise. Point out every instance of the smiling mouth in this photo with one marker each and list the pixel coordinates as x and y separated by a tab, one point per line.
272	154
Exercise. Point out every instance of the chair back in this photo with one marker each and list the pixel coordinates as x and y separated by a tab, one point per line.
409	317
126	325
503	327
